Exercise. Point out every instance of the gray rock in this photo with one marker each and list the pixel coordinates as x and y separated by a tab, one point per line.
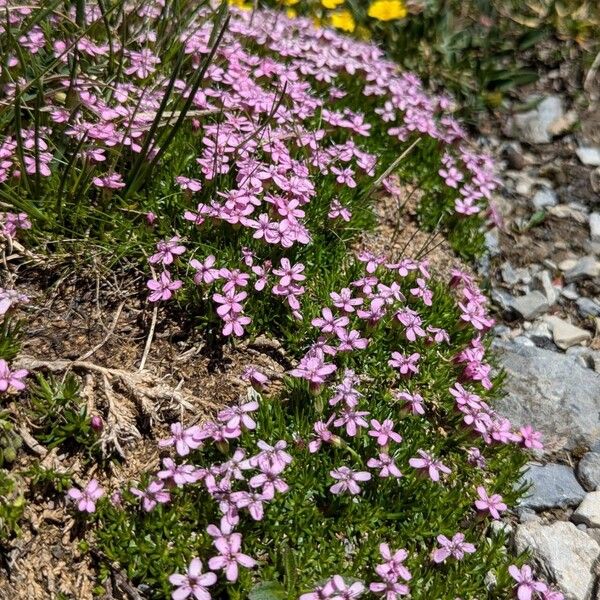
534	126
588	512
565	334
589	156
543	283
551	392
531	305
526	515
570	292
562	211
587	307
544	198
552	486
588	471
566	555
595	227
502	299
492	241
587	267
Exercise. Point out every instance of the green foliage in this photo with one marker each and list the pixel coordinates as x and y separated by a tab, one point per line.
12	505
46	482
10	442
59	413
308	534
10	338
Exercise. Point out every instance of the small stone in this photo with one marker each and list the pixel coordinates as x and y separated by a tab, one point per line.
501	527
565	334
595	227
567	556
552	486
544	198
524	186
526	515
562	211
586	267
543	283
587	307
492	241
514	157
588	512
531	305
534	125
567	264
570	292
502	299
588	471
589	156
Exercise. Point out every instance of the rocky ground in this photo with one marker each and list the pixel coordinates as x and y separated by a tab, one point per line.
544	275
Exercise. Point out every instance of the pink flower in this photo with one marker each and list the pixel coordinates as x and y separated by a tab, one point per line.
154	494
386	465
230	556
434	467
530	438
288	273
407	365
328	323
456	547
86	498
194	583
11	380
313	369
256	378
393	567
167	250
178	475
344	300
113	181
205	271
414	401
184	440
493	504
236	416
230	302
384	432
526	583
347	480
163	287
352	419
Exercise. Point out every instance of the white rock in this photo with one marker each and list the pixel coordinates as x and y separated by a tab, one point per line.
566	554
565	334
589	156
567	264
543	283
562	211
534	126
531	305
588	511
544	198
595	227
586	267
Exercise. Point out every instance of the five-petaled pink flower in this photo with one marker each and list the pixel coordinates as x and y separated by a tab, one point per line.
426	461
526	582
11	380
347	480
193	583
230	556
163	287
86	498
456	547
493	504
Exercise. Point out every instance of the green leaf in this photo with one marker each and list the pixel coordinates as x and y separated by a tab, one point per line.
267	590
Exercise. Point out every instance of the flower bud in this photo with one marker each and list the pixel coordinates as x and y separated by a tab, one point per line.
96	423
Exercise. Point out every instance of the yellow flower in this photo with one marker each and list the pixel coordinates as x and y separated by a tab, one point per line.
387	10
342	19
290	2
331	3
291	13
240	4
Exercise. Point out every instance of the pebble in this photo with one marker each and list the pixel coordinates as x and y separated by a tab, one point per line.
565	334
534	126
542	282
588	512
588	308
554	394
570	292
595	226
567	264
530	305
563	211
552	486
589	156
565	553
492	241
544	198
588	471
586	267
